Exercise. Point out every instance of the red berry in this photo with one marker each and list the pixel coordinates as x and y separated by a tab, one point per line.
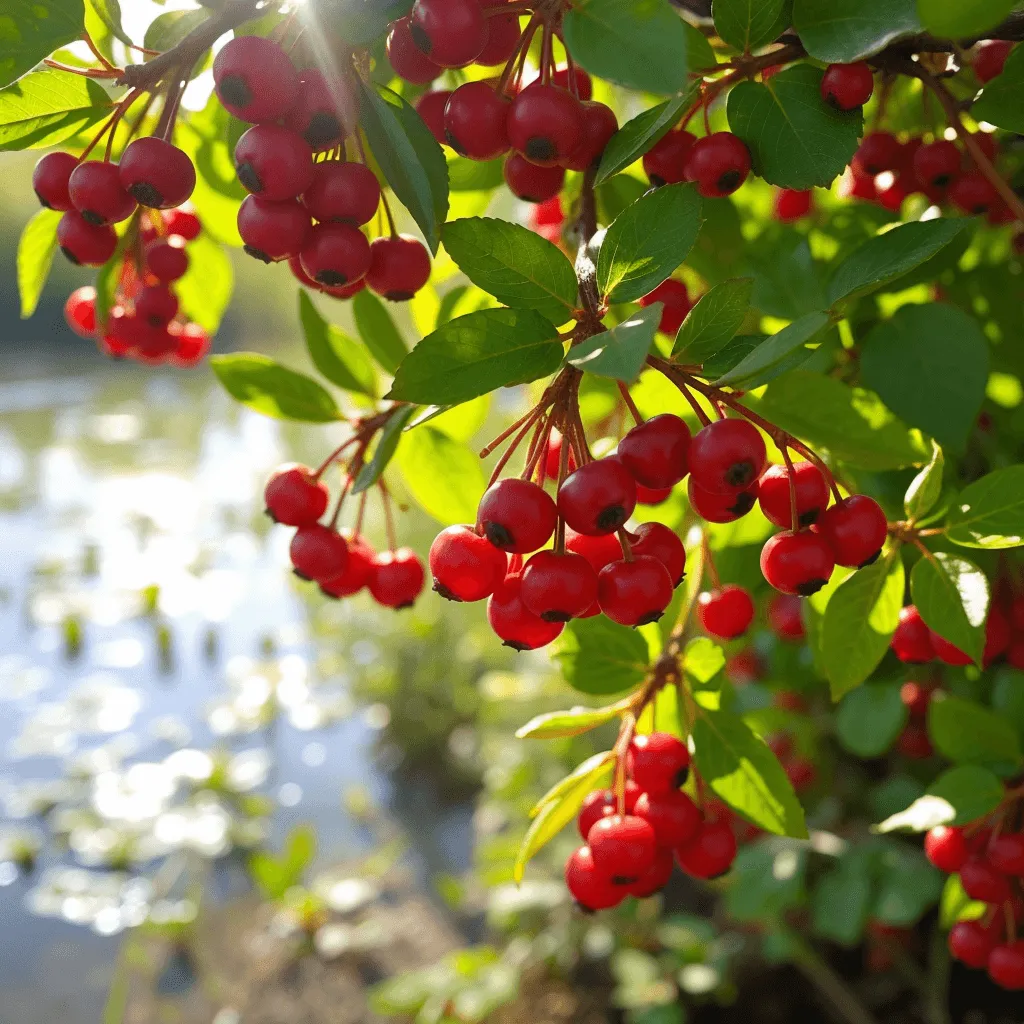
342	191
545	124
623	847
357	572
192	344
430	106
598	551
914	742
726	612
801	773
273	231
946	848
514	623
336	254
590	888
517	515
558	587
947	652
531	183
598	498
294	497
989	58
97	193
553	456
655	540
936	164
452	33
635	593
656	452
912	640
465	565
273	162
397	578
665	161
578	82
80	311
325	110
502	37
998	634
673	816
50	180
652	495
719	163
797	563
85	244
727	456
972	192
792	204
399	267
981	881
855	529
157	305
183	222
785	616
877	152
157	174
846	86
318	552
658	762
475	121
603	803
599	125
916	697
726	507
971	943
407	60
676	300
1006	966
811	494
1006	854
710	853
166	259
254	79
656	877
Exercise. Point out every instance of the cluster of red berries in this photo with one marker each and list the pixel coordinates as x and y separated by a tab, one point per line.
143	322
989	858
914	643
306	203
676	303
633	843
719	163
726	613
341	562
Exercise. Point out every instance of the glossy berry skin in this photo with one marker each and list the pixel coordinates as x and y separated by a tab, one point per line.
324	111
791	204
981	881
1006	966
592	889
847	86
598	497
96	192
430	106
623	847
342	191
665	161
50	180
946	651
989	59
936	164
797	563
603	803
516	626
914	743
598	551
255	79
1006	853
658	762
399	267
656	452
273	231
397	578
318	552
516	515
726	507
273	162
157	174
855	529
452	33
531	183
673	816
465	565
558	587
676	304
727	456
157	305
476	121
183	222
719	163
652	495
710	853
726	612
916	697
877	152
80	311
785	616
192	344
579	84
599	125
973	193
656	540
166	259
912	642
946	848
545	124
407	60
971	943
357	572
811	494
336	254
502	37
656	877
635	593
85	244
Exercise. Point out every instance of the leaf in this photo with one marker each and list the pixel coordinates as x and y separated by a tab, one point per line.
766	361
598	656
560	724
703	659
967	733
747	24
907	885
477	353
859	622
842	898
742	771
445	477
955	905
842	31
48	106
580	771
999	102
170	28
796	139
465	175
339	358
637	43
957	797
36	249
647	241
619	352
766	880
959	19
890	255
990	512
952	595
378	331
205	291
851	423
514	264
32	29
299	851
736	350
384	451
108	13
925	488
365	20
409	157
269	388
713	321
870	718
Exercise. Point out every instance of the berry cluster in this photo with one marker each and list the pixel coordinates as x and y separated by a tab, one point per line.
307	203
634	837
914	643
719	162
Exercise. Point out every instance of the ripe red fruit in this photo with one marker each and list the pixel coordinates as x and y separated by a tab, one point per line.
336	254
981	881
785	616
357	572
50	180
1006	965
399	267
318	552
665	161
342	191
726	612
972	192
989	58
727	456
811	494
656	540
192	344
912	640
971	943
475	121
797	563
855	529
545	124
465	565
845	86
273	162
877	152
936	164
598	497
590	888
946	848
85	244
603	803
166	259
502	37
397	578
97	193
998	634
599	125
254	79
1006	854
325	110
635	593
452	33
652	495
183	222
719	163
274	231
598	551
676	301
656	452
517	515
916	697
710	853
656	877
578	83
792	204
430	106
558	587
658	762
531	183
80	311
726	507
623	847
914	742
157	305
553	456
157	173
673	816
947	652
407	60
514	623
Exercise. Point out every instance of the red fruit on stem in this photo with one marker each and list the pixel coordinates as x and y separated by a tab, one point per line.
676	300
710	853
452	33
325	111
430	106
514	623
1006	966
558	587
273	231
989	58
475	121
946	848
166	259
914	742
1006	853
157	305
623	847
797	563
719	163
936	164
502	38
465	565
947	652
811	488
635	593
916	697
656	877
726	507
877	152
255	79
598	551
192	344
80	311
726	612
85	244
274	162
846	86
50	180
673	816
971	943
973	193
792	204
981	881
342	191
577	81
157	173
357	571
517	515
652	495
665	161
655	540
785	616
599	125
97	193
408	61
545	124
604	803
183	222
912	641
855	529
531	183
553	456
658	762
318	552
397	578
727	456
598	497
590	888
399	267
336	254
656	452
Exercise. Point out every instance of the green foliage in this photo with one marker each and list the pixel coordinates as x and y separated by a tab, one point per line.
925	488
33	29
36	249
339	358
999	103
778	354
378	331
990	512
952	595
841	31
747	24
713	321
272	389
967	733
598	656
444	476
963	18
48	106
957	797
619	352
870	718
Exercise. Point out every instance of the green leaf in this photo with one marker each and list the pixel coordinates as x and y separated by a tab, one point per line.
929	364
384	450
619	352
742	771
48	106
957	797
363	21
853	424
205	291
890	255
955	905
560	724
170	28
713	321
1008	697
869	720
842	898
999	102
747	24
36	248
796	139
409	157
378	331
108	13
647	241
514	264
269	388
703	659
32	29
731	355
959	19
580	771
990	512
477	353
599	656
465	175
299	850
968	733
637	43
766	880
907	885
925	488
952	595
774	355
339	358
842	31
445	478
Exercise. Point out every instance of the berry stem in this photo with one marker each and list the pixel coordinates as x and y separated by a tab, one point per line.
794	515
389	520
709	561
507	433
626	731
828	982
88	40
627	398
99	73
357	527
